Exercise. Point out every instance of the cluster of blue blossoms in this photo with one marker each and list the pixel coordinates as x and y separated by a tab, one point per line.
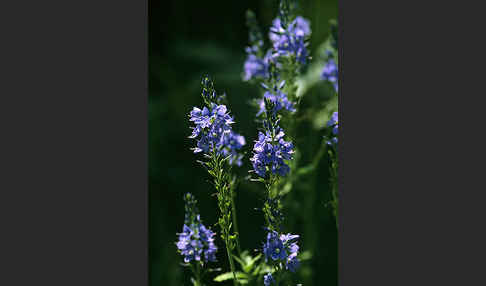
270	151
286	41
281	249
330	73
278	99
290	40
213	130
196	242
333	122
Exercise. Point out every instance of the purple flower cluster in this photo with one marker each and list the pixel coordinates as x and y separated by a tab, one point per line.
270	151
213	132
278	99
196	242
282	248
330	73
333	122
212	126
290	40
285	41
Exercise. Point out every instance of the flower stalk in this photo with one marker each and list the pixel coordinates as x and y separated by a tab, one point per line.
224	195
233	210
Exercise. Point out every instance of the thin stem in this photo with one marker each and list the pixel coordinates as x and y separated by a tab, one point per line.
277	279
334	190
235	221
223	187
198	274
232	266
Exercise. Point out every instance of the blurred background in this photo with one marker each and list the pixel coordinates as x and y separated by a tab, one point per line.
187	39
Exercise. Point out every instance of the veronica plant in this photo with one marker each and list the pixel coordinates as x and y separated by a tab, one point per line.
277	71
271	153
221	147
196	242
287	53
288	35
279	66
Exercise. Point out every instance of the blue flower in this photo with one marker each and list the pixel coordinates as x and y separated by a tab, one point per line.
254	67
292	262
196	242
257	67
274	248
278	99
213	131
233	143
330	73
333	122
290	40
206	236
282	248
212	126
289	238
280	168
270	153
302	27
268	279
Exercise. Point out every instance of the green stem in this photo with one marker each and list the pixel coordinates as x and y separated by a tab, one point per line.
232	266
277	279
235	221
223	186
334	191
198	274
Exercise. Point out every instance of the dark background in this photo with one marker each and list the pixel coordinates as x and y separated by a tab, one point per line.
187	39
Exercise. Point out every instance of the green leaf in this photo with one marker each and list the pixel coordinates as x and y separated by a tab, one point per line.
255	259
241	262
264	268
242	277
306	255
